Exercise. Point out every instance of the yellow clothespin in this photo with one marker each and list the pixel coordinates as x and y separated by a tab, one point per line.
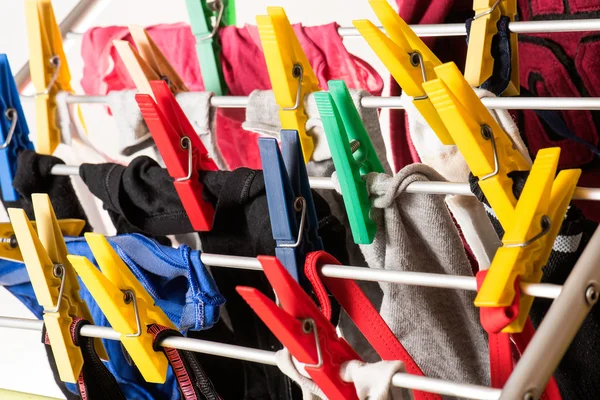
147	63
49	70
292	76
9	246
487	149
127	305
54	282
526	246
480	63
407	58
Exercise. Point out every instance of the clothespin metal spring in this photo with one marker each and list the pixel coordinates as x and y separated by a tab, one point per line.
186	144
217	22
300	206
130	298
298	73
12	115
310	326
59	271
488	134
545	223
54	62
488	12
416	59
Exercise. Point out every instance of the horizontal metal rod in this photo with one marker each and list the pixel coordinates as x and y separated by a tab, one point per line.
494	103
451	188
267	357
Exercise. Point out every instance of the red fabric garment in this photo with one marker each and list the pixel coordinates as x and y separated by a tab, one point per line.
551	64
244	69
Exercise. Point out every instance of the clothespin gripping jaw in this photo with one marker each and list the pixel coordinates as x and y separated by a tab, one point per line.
14	132
54	282
303	330
353	156
527	244
489	152
182	150
292	212
126	304
407	58
292	76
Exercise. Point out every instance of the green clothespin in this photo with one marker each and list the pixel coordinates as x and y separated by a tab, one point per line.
230	16
353	156
207	41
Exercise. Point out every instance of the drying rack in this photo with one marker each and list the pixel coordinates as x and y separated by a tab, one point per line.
572	301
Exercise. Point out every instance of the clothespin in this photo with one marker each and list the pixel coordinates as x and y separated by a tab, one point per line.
9	246
181	149
353	156
407	58
49	70
129	308
54	282
487	149
147	63
526	246
293	216
292	76
208	47
14	132
303	330
480	63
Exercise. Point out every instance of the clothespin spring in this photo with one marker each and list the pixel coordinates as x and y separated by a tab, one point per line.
59	272
130	298
186	144
299	205
11	241
416	59
11	115
546	225
298	73
55	62
488	134
487	12
217	22
309	325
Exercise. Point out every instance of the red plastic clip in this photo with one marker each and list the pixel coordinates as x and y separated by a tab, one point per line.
303	329
181	148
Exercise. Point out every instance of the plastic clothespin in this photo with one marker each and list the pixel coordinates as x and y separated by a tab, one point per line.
9	246
526	246
480	63
49	71
181	149
292	76
407	58
147	63
208	47
303	330
14	132
126	304
487	149
54	282
353	156
293	216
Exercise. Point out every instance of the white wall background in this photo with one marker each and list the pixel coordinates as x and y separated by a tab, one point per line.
23	365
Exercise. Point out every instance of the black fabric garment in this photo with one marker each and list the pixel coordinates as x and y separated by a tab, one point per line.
143	194
191	378
33	176
576	375
95	381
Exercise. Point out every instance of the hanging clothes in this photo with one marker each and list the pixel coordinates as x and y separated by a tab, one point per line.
244	69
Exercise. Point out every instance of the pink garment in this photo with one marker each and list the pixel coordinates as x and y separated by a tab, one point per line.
244	69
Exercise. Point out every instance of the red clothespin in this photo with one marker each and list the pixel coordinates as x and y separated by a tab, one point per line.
181	148
303	330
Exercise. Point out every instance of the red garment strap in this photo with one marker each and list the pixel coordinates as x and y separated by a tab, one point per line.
361	311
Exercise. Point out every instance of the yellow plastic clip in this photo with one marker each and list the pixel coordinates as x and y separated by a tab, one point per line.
147	63
127	305
407	58
292	76
9	246
527	244
49	70
54	282
487	149
480	63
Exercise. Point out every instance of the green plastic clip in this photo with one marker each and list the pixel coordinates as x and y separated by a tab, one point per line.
353	156
208	47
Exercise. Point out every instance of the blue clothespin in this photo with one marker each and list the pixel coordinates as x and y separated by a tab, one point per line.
291	208
14	132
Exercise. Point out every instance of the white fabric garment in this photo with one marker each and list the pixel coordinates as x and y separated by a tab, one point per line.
447	160
372	381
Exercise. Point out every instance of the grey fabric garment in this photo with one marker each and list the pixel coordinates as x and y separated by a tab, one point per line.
439	328
262	116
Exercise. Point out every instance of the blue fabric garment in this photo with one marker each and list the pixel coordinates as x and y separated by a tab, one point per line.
176	278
